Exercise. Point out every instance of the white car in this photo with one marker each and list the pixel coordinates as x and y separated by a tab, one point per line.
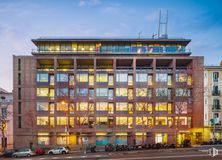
58	150
23	153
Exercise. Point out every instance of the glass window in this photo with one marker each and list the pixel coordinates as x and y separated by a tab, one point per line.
91	94
83	120
101	120
71	80
161	92
102	92
62	106
42	106
51	108
181	77
42	120
141	121
150	80
82	92
161	120
141	77
141	106
42	77
82	77
183	92
121	121
121	92
141	92
71	93
102	106
61	139
130	79
62	120
181	120
42	92
101	77
121	77
82	106
161	106
63	92
215	76
121	106
43	138
110	80
62	77
181	107
161	77
91	80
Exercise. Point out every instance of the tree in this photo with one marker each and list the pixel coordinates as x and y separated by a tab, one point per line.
4	119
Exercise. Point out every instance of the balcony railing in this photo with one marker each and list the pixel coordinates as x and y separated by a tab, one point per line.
216	107
216	93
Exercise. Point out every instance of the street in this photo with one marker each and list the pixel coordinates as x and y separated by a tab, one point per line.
132	155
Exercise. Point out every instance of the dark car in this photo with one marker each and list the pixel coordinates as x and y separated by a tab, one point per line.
8	153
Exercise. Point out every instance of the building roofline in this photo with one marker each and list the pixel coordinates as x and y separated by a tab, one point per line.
212	67
130	40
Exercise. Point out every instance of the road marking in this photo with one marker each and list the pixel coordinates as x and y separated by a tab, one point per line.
159	157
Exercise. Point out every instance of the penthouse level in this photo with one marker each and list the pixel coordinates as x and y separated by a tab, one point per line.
111	46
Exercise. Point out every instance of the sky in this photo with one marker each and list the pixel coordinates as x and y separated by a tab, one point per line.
22	20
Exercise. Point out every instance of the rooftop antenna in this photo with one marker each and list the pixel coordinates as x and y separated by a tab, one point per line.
163	22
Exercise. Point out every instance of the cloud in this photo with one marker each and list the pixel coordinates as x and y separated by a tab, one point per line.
83	3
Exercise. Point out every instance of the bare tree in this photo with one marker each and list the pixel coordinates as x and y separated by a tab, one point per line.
4	119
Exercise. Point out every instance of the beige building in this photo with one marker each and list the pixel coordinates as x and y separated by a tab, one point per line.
212	100
6	105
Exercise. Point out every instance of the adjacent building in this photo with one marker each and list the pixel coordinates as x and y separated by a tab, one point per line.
104	90
6	115
212	100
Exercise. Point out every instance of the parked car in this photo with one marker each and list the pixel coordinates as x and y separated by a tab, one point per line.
39	151
23	153
8	153
58	150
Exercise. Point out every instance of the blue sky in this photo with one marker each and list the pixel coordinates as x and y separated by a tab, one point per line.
21	20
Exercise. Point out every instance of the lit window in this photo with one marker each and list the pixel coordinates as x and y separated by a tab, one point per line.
42	120
91	80
102	92
101	120
141	92
183	92
62	106
160	138
121	121
61	139
181	77
71	80
62	77
82	106
121	77
102	106
42	77
141	121
42	106
42	92
71	121
62	120
43	138
163	92
82	77
101	77
121	92
150	80
161	77
141	106
161	121
141	77
181	120
83	120
121	106
161	106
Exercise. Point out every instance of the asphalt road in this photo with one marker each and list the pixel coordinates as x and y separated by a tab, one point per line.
131	155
